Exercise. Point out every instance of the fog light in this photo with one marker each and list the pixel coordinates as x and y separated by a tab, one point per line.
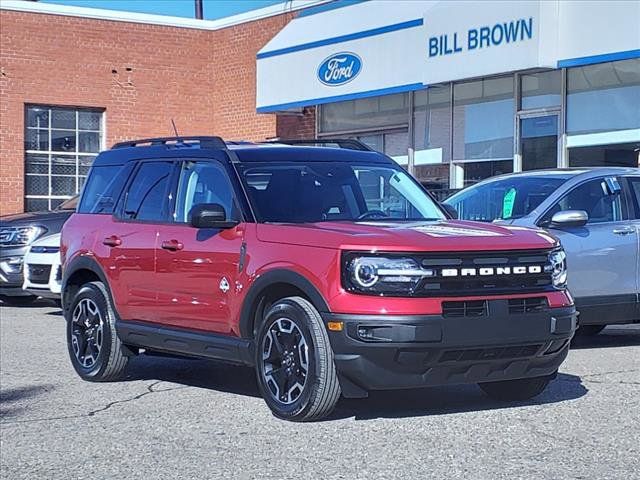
11	264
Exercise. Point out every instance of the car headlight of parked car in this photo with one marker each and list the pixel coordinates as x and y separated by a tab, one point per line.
558	268
383	275
20	236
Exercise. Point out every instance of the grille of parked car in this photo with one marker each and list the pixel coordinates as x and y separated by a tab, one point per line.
528	305
482	273
39	273
468	308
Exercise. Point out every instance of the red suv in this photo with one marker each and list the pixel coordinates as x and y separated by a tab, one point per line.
328	269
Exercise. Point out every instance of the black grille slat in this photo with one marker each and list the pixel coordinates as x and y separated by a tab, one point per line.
527	305
39	273
468	308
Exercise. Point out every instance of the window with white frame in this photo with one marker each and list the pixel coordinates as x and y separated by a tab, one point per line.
60	144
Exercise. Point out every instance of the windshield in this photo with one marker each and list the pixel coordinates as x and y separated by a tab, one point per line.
316	192
504	199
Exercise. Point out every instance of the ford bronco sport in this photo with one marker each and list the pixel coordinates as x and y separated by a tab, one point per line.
329	270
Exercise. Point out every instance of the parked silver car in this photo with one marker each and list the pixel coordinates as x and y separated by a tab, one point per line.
596	215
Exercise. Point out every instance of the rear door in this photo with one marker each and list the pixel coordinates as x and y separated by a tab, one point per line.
197	268
602	255
132	238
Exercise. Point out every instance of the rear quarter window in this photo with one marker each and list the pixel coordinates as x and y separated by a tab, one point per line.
102	188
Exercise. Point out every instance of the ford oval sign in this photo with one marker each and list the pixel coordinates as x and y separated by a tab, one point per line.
339	69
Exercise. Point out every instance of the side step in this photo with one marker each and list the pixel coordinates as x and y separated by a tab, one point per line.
186	342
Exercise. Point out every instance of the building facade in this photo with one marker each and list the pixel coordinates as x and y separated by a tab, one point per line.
460	91
454	91
73	81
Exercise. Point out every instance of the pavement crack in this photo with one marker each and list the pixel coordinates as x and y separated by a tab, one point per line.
150	389
126	400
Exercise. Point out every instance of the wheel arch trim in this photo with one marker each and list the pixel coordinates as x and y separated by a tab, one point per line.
272	277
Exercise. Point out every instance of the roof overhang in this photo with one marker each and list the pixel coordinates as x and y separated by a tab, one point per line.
368	49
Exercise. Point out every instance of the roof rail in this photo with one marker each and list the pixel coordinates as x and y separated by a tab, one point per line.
347	143
205	142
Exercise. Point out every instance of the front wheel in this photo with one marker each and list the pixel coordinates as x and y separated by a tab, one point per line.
96	352
514	390
294	362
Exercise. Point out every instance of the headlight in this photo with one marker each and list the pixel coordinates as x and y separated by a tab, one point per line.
558	268
383	275
20	236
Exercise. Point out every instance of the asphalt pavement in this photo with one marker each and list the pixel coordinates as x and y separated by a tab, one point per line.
193	419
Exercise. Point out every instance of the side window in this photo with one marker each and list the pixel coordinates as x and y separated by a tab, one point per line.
595	198
102	189
634	183
203	182
147	197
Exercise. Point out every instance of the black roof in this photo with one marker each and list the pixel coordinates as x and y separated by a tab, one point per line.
243	152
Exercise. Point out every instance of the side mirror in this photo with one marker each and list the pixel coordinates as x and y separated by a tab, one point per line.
451	211
210	215
569	218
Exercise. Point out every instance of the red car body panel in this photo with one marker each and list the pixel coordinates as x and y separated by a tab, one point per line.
183	288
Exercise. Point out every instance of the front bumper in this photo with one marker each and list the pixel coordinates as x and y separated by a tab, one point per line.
385	352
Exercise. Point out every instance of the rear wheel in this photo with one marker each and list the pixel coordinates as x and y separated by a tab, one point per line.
96	352
294	362
513	390
589	330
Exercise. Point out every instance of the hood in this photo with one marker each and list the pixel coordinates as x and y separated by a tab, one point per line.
440	236
53	220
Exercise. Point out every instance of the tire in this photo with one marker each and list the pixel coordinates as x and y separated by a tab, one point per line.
293	342
589	330
96	352
18	301
516	390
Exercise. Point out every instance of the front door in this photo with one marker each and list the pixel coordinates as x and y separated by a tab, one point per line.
538	141
197	269
602	255
131	241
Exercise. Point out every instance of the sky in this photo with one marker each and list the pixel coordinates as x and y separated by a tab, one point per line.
213	9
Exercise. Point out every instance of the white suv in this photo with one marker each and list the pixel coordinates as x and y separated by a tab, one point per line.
42	270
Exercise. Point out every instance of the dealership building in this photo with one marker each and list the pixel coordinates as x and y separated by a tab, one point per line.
454	91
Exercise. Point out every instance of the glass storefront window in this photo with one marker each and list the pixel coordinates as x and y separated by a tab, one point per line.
60	145
394	144
603	97
477	171
483	113
365	113
541	90
432	125
620	155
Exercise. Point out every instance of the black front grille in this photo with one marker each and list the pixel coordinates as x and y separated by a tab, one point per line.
528	305
39	273
495	353
484	273
469	308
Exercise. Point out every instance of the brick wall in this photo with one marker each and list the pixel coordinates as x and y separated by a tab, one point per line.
204	80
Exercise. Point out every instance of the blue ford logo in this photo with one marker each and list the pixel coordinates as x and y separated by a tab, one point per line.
339	68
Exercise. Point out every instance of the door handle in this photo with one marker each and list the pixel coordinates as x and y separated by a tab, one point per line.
624	231
112	241
172	245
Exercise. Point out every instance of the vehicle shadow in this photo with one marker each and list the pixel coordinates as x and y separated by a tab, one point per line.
192	372
240	380
12	396
434	401
612	336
